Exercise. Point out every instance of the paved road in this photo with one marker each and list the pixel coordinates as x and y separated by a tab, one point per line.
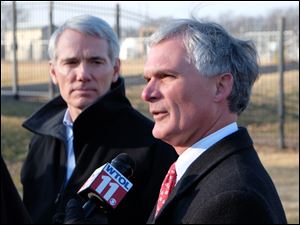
138	79
274	68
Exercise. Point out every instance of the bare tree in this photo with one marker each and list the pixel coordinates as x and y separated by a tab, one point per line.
239	24
156	22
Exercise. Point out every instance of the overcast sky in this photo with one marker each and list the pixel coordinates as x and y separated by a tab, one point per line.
182	9
153	9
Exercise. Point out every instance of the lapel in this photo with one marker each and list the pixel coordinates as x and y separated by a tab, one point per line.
202	166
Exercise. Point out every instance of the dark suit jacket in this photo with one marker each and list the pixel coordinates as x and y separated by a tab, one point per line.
226	184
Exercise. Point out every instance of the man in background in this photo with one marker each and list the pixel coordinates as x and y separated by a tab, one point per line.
89	124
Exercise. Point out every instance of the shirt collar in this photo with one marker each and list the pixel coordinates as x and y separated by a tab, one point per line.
193	152
67	119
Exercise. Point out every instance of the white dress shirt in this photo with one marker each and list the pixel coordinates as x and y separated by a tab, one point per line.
193	152
69	142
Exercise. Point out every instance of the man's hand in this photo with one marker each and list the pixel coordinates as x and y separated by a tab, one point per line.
75	215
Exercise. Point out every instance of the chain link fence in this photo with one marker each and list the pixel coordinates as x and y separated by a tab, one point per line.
29	75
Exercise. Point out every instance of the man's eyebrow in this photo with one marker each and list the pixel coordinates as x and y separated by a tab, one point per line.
69	59
88	58
97	58
167	72
161	73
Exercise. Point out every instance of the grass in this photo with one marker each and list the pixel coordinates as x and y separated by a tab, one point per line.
261	116
283	167
29	73
14	139
38	72
134	93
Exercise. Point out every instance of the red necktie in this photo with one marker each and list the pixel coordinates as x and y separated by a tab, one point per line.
166	188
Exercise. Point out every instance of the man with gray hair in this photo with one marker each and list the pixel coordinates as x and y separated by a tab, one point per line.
199	80
88	125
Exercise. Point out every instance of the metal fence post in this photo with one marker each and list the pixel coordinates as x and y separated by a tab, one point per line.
118	29
15	85
281	109
50	31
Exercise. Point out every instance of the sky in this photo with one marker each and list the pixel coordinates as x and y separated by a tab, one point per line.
153	9
182	9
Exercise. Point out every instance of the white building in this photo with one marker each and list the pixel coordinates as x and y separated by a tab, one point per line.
133	48
32	44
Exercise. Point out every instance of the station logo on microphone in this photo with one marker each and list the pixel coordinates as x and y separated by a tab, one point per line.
110	185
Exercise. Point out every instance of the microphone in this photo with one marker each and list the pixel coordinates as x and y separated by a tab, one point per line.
108	185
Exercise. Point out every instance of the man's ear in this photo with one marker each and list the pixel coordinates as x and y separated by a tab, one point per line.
117	68
224	85
53	72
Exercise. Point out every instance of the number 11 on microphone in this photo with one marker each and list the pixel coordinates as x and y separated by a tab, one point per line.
107	184
106	181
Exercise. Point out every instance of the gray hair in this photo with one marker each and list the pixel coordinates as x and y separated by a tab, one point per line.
214	52
89	25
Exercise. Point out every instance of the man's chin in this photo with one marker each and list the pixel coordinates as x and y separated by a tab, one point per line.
84	104
158	132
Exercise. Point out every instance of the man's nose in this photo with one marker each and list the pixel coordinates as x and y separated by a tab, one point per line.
151	91
83	71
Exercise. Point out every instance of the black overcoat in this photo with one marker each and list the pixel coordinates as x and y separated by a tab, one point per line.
103	130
